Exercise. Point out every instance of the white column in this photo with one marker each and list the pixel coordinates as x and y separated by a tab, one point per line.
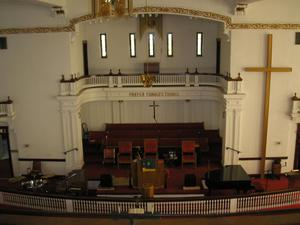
72	134
231	143
13	146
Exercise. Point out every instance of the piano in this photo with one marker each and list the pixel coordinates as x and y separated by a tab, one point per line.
228	177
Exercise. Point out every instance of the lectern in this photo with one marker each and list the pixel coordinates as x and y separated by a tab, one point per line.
148	172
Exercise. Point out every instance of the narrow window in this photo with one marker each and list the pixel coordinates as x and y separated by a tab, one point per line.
199	43
151	45
103	46
297	38
3	43
132	45
170	44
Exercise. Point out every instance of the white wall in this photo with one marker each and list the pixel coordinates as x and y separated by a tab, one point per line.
225	50
184	32
21	14
30	71
77	8
248	48
76	51
271	11
96	114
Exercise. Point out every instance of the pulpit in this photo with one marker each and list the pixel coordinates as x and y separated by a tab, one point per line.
152	68
148	172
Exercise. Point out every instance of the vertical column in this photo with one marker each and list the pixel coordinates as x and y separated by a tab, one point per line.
72	134
13	146
231	143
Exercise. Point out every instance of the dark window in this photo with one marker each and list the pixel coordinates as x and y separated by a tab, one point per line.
297	38
3	43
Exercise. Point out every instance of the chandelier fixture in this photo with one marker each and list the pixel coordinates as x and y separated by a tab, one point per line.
147	79
107	8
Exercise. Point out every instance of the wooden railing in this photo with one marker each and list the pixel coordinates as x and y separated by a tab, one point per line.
162	207
6	108
76	85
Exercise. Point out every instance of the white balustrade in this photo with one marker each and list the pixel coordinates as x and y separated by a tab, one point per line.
34	202
270	201
234	87
192	207
74	87
295	112
6	109
3	109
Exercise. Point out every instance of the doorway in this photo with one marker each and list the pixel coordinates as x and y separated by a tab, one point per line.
5	156
297	150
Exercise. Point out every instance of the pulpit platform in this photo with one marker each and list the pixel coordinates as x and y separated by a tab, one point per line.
128	198
170	181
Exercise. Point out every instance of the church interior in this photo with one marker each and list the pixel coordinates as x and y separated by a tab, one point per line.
146	105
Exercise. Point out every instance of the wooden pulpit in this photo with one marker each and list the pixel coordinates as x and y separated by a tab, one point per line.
152	68
148	172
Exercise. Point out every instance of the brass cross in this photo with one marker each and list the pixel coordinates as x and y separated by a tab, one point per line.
268	70
154	109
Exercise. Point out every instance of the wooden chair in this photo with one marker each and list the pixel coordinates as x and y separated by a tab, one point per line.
108	155
125	152
188	153
151	148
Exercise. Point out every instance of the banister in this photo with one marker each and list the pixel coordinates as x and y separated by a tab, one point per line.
162	207
70	150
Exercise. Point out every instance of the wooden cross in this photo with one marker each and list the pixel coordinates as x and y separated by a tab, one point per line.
268	70
154	109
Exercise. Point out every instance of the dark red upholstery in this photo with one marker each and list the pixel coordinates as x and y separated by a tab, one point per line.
188	152
151	148
108	155
125	152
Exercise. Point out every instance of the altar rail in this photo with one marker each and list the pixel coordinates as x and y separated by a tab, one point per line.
161	207
76	85
6	108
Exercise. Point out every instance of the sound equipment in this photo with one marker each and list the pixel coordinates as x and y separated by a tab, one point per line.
190	180
106	181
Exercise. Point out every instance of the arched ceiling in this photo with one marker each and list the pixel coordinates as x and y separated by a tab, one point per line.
62	3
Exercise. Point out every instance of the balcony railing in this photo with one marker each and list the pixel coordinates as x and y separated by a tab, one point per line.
74	85
6	108
265	202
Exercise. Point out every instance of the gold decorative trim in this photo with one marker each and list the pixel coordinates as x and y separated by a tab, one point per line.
283	26
69	28
166	10
182	11
82	19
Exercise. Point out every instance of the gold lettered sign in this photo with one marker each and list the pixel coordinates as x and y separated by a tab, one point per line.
153	94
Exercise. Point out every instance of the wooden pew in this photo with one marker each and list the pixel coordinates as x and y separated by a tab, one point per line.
168	134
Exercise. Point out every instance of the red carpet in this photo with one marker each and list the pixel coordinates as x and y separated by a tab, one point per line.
267	184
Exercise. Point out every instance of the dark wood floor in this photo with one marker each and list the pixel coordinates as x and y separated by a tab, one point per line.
291	218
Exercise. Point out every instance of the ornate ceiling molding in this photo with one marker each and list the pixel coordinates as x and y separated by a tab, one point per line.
69	28
182	11
270	26
156	10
